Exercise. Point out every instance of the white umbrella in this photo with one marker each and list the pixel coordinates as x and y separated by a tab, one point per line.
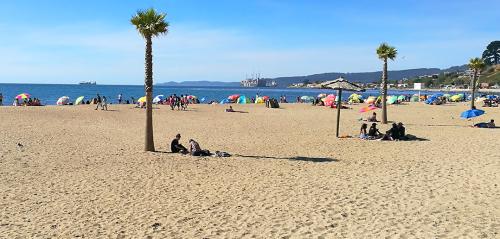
158	98
64	100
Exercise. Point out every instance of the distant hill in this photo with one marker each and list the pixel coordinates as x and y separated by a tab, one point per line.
362	77
200	83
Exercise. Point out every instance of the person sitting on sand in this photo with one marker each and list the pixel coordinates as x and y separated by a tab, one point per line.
362	131
372	118
176	147
490	124
374	133
230	109
392	134
402	132
195	149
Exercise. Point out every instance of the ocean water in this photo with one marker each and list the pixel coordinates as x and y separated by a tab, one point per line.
50	93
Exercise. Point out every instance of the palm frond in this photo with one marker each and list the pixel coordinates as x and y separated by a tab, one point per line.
150	23
384	51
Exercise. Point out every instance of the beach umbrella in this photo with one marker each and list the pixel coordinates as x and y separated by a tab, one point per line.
371	100
339	85
23	96
367	108
142	100
158	99
64	100
233	97
79	100
471	113
307	98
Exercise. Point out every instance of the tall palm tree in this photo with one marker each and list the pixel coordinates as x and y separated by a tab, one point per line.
149	24
384	52
475	64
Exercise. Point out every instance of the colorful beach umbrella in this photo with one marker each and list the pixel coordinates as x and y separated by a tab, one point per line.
142	100
23	96
158	99
63	100
79	100
367	108
471	113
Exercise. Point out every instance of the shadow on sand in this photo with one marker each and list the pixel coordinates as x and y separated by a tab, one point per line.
297	158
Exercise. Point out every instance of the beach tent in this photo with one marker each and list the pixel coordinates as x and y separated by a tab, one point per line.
355	98
142	100
192	97
243	100
79	100
401	98
447	96
433	98
371	100
158	99
259	101
392	99
414	98
225	101
329	100
456	98
306	98
64	100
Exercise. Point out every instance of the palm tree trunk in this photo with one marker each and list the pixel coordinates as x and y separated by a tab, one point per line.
148	86
384	93
473	87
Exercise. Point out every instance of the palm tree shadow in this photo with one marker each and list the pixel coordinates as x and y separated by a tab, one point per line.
297	158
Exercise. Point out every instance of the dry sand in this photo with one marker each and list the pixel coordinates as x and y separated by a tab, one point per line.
82	173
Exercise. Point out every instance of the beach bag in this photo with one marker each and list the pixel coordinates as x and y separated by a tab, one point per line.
222	154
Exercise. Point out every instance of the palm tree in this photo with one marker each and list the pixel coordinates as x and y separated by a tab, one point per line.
491	55
149	24
384	52
475	64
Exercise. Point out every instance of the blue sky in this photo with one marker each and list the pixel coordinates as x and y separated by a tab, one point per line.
56	41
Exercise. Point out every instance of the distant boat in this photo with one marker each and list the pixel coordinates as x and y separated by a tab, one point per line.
87	83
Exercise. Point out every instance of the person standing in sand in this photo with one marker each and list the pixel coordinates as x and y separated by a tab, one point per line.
1	99
98	102
104	103
120	98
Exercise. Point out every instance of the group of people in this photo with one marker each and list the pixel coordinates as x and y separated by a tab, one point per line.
396	132
101	101
181	102
26	102
194	147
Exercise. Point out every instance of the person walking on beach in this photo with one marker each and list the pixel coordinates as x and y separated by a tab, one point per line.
1	99
120	98
104	103
98	102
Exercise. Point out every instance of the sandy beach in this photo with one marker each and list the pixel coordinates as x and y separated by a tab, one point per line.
81	173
